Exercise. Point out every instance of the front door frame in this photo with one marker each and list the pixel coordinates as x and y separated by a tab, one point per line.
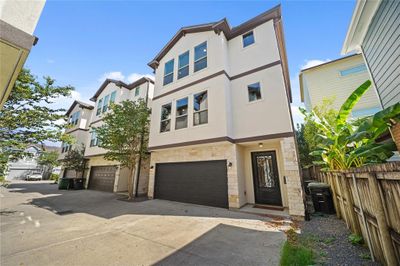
255	177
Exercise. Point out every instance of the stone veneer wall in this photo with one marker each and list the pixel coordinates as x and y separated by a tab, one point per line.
217	151
293	179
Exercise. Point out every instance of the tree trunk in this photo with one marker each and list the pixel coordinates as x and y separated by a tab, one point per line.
130	183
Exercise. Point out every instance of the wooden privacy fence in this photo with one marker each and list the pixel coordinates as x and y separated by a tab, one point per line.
368	200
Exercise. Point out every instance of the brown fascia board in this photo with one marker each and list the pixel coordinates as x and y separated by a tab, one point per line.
140	82
81	104
219	26
104	85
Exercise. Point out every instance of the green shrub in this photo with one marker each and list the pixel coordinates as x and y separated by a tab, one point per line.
54	177
296	255
356	239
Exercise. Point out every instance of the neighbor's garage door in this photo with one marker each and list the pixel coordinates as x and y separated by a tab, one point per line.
102	178
203	183
68	173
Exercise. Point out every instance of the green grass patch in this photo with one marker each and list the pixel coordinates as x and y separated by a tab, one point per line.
296	252
356	239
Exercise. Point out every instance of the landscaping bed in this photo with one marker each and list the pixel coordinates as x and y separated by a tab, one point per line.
325	240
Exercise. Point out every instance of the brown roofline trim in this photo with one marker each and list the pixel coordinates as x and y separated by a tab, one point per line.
218	27
94	122
222	72
81	105
329	62
226	138
76	129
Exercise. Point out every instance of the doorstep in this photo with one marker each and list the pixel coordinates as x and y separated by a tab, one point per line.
265	210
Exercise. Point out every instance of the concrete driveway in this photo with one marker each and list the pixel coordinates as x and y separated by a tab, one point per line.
41	225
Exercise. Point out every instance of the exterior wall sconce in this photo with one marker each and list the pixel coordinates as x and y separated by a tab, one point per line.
230	164
152	167
260	145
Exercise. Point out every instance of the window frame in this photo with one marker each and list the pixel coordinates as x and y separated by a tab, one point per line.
199	111
248	94
167	119
169	74
93	140
137	91
99	107
201	58
185	66
243	37
106	103
112	99
184	115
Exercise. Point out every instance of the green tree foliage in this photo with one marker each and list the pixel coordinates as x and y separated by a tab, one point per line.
27	117
75	160
124	135
48	160
304	150
343	143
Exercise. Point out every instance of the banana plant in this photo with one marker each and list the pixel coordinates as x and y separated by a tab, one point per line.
346	143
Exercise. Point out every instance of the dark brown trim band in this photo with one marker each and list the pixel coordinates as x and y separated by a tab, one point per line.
222	72
220	139
76	129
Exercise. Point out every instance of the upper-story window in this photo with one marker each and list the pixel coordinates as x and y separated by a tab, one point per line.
181	113
93	139
112	97
200	108
105	103
200	56
254	91
74	118
99	106
248	39
65	147
183	65
137	90
169	72
353	70
165	118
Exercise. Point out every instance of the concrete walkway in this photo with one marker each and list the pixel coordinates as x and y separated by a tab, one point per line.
41	225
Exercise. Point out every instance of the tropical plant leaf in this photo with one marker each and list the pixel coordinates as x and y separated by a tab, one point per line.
384	116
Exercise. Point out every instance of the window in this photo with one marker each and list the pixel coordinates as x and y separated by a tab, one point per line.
137	90
181	113
165	118
93	139
353	70
112	97
169	72
105	103
74	118
65	147
99	106
254	91
248	39
183	65
200	109
200	56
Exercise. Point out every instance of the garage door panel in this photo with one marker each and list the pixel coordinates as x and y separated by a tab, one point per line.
102	178
202	182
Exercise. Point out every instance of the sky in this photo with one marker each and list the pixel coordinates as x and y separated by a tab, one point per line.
81	43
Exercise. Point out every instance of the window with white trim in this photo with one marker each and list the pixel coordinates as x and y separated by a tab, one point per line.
183	65
181	119
200	56
254	91
137	90
169	72
93	139
200	108
105	103
248	39
99	106
353	70
165	124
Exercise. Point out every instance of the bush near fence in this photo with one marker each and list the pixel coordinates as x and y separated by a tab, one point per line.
368	200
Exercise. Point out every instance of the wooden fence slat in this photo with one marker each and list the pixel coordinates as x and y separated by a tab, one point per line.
355	226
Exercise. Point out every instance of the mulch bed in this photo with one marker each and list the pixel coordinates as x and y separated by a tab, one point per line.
330	240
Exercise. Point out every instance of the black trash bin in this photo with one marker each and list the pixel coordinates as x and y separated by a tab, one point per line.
321	197
78	183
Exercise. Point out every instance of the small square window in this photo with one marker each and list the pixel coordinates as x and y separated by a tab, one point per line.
254	91
248	39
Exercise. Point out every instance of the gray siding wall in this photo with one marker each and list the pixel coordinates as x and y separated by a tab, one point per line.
382	50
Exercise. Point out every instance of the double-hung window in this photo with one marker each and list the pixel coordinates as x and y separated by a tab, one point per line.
200	56
137	90
248	39
99	106
165	118
183	65
105	103
169	72
254	91
181	113
200	108
93	139
112	97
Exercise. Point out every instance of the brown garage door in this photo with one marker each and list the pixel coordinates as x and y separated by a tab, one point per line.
203	183
69	173
102	178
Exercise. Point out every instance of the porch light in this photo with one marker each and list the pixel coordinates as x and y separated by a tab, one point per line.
260	145
230	164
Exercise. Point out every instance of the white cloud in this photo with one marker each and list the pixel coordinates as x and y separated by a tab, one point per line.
298	117
135	76
112	75
313	62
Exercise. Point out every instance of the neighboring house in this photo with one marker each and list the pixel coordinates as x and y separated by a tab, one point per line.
18	21
78	119
374	31
108	175
336	80
28	164
221	130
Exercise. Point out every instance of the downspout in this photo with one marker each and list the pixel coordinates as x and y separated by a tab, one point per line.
139	163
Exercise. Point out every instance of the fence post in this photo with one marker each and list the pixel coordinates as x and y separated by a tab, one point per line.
355	226
383	228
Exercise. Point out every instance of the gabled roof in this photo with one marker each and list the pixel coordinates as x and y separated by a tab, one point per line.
81	104
219	26
121	84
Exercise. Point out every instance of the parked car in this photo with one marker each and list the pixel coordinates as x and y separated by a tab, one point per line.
34	177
